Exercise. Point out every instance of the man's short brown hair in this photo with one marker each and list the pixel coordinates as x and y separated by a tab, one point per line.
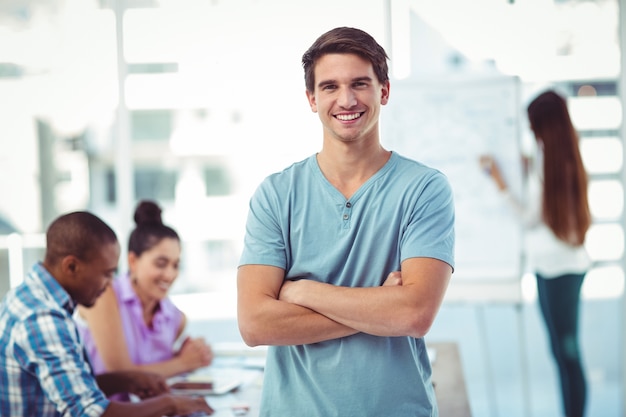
345	40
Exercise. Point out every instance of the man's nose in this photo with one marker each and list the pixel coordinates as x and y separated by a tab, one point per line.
347	98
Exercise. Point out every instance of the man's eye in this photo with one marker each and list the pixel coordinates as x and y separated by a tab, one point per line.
328	87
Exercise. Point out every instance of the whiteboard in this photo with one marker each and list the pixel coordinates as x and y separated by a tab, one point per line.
447	124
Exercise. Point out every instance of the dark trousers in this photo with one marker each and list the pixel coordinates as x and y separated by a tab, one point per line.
559	299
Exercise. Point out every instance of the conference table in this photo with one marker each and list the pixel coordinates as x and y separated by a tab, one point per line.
245	365
449	381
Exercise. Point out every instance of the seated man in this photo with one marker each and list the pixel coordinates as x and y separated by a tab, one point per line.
43	371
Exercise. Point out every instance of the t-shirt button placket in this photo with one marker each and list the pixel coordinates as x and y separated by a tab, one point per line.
346	215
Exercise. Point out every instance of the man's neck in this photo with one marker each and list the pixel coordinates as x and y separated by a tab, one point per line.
348	166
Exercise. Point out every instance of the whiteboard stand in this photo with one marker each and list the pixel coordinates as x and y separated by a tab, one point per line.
482	330
491	391
519	308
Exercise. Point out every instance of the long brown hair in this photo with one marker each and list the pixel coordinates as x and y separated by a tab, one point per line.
565	207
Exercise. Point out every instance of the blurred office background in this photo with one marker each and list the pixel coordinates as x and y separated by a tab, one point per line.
193	102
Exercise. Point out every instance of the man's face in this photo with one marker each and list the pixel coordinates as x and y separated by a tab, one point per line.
92	276
347	97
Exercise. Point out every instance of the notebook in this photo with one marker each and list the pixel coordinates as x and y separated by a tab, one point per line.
205	384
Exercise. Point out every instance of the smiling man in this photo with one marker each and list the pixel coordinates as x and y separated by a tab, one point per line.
347	254
43	370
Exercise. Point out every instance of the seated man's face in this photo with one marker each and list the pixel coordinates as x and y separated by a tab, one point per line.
93	276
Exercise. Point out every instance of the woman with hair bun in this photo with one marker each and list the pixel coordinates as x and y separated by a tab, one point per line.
134	325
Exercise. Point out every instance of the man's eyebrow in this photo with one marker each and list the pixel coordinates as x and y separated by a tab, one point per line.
326	82
331	82
365	78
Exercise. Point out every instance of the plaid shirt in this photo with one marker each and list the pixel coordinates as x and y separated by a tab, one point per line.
43	372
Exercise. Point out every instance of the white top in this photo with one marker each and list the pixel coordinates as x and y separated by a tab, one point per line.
545	253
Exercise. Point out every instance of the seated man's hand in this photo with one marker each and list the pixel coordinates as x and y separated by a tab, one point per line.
186	406
140	383
145	384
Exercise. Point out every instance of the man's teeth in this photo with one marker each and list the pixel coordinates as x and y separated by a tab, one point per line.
347	117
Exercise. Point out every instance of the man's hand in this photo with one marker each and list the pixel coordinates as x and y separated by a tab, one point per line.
162	405
185	405
140	383
394	278
265	318
289	290
146	384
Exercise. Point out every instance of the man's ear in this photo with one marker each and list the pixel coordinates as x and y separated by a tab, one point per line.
69	265
312	102
384	98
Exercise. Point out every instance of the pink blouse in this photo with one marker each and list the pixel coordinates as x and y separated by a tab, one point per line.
145	344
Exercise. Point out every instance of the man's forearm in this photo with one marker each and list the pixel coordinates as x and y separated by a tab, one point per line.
380	311
404	307
280	323
352	307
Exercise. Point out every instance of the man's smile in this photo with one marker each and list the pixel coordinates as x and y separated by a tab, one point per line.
348	117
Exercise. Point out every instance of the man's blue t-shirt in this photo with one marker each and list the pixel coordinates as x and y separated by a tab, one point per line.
299	222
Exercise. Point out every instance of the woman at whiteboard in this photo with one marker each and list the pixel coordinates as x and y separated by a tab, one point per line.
557	218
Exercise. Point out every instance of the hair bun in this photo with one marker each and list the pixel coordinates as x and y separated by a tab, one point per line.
147	212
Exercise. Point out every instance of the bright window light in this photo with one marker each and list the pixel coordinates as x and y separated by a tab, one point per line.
606	199
529	287
602	155
589	113
400	39
604	282
605	242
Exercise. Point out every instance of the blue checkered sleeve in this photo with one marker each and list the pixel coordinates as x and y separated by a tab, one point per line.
46	346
